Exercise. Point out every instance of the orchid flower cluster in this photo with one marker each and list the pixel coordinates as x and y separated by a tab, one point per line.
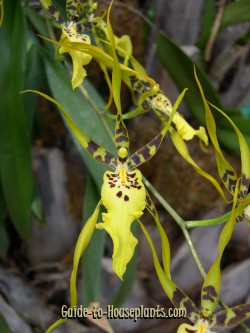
84	37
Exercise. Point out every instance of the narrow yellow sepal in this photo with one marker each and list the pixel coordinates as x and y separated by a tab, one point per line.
79	58
124	196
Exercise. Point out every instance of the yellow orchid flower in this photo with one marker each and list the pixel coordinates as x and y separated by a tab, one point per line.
79	59
153	99
72	31
123	193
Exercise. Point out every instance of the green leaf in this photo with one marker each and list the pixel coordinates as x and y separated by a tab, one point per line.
235	12
241	122
91	260
229	140
3	209
15	169
81	110
4	328
34	78
36	20
181	68
207	23
4	243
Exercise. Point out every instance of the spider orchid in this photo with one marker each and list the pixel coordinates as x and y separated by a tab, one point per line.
151	98
123	195
205	319
79	20
225	170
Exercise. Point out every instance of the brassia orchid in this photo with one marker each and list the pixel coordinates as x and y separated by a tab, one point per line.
153	99
78	21
123	193
81	19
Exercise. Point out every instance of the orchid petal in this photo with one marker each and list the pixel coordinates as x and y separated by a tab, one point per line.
79	59
124	204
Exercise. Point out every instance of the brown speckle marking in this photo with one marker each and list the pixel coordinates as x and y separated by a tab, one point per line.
119	194
209	293
126	198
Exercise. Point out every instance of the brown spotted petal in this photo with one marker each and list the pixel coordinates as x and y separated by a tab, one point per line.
79	59
125	200
231	316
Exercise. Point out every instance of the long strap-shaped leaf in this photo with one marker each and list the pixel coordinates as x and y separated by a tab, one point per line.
175	294
211	285
226	171
148	151
96	151
16	175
